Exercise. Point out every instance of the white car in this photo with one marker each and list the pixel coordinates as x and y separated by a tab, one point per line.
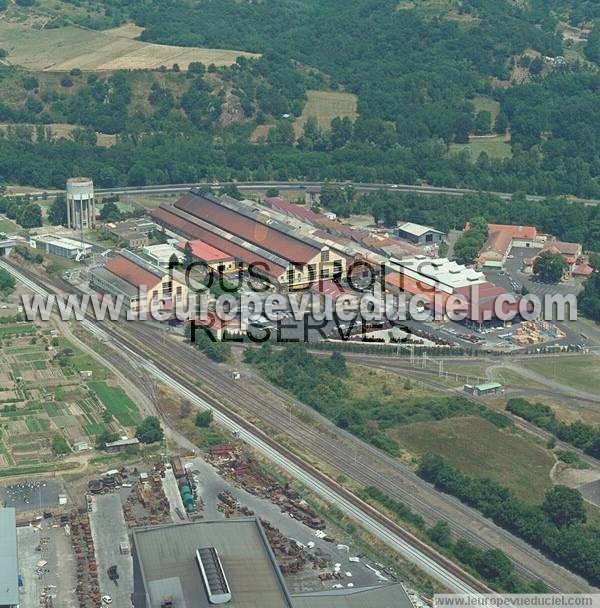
107	599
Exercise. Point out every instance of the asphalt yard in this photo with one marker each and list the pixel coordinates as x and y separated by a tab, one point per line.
47	565
109	531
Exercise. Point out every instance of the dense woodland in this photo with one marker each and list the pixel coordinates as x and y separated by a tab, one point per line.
416	75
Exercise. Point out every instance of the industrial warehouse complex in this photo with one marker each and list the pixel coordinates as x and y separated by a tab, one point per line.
230	562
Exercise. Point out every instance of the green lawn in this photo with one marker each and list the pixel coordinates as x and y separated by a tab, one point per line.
478	448
8	226
579	372
487	103
494	147
117	403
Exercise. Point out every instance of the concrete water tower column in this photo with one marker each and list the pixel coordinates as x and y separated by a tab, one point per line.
81	205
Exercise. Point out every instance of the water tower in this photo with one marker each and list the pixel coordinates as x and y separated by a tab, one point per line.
81	206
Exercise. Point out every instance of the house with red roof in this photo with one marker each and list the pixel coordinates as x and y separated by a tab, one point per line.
299	212
572	253
501	239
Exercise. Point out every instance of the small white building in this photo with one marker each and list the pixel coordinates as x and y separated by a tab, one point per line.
419	234
61	246
161	254
81	446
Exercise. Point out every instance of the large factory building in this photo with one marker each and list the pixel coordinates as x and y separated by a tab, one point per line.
251	236
230	562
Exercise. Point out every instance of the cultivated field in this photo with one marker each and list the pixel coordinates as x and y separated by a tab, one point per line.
43	395
325	106
476	447
65	48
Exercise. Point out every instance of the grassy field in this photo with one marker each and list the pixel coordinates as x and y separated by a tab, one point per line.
62	130
494	146
70	47
478	448
117	403
7	225
486	103
325	106
578	372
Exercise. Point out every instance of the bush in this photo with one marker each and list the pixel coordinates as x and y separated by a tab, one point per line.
204	419
149	430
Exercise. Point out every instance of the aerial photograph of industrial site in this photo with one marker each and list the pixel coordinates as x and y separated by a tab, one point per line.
300	303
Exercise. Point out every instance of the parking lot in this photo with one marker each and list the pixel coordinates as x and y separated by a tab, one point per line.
31	495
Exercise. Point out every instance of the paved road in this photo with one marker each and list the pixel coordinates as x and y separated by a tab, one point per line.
298	185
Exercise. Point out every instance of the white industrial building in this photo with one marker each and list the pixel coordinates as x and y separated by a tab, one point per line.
440	272
161	254
61	246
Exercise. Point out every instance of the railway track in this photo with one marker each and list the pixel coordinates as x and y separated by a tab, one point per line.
437	565
375	468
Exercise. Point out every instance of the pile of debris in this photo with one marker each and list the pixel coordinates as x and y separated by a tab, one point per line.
147	504
238	468
77	525
292	556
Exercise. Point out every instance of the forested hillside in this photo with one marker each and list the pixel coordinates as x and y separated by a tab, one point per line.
430	78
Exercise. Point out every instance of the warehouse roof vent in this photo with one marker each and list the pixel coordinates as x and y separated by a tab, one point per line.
213	575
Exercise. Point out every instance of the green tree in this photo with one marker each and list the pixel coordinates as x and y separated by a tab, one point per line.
483	122
440	534
149	430
549	267
282	133
501	123
106	437
30	216
110	212
7	282
204	419
232	191
57	212
564	506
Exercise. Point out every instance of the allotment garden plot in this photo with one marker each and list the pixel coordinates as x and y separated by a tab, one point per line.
54	399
